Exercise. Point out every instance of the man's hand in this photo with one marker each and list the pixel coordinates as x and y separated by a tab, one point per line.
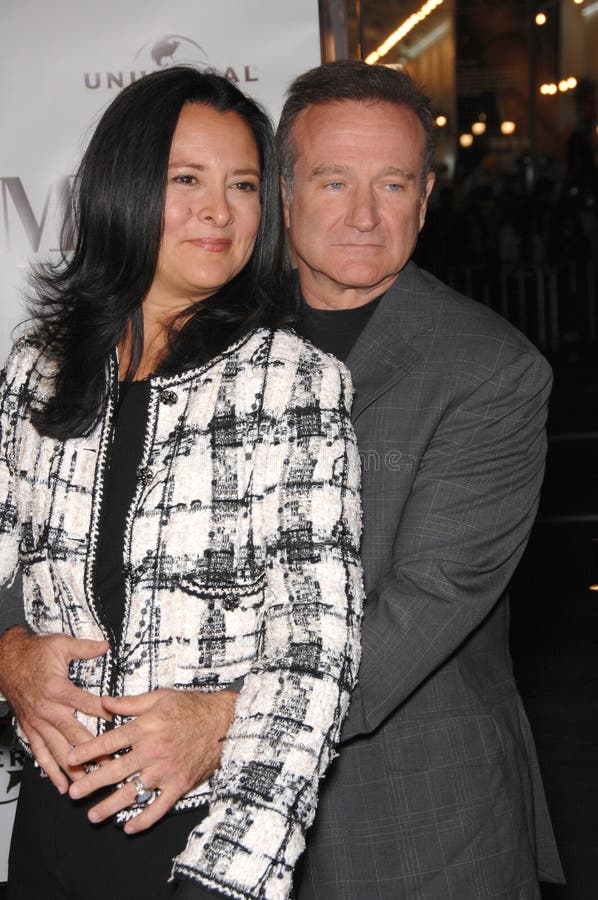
175	743
34	678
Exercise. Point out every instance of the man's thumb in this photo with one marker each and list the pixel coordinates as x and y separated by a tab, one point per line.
83	648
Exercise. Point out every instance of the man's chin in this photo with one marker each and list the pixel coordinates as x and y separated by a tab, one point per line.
355	278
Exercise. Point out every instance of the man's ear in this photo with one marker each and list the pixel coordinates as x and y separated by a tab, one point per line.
286	203
430	179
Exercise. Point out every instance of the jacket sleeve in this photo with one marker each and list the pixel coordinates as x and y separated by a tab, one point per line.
10	397
462	532
289	712
11	393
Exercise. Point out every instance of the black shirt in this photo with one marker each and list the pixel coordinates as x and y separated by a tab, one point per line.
119	486
334	330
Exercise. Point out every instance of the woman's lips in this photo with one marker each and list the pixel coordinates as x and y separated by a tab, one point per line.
214	245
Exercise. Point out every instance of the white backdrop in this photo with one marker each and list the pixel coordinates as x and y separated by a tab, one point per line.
61	64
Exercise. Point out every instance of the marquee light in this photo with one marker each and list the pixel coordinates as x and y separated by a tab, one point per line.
466	140
441	121
507	127
403	30
541	18
478	128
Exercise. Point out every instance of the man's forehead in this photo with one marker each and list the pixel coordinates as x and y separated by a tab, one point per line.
348	126
330	115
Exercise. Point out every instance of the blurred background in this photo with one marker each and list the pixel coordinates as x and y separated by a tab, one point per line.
513	223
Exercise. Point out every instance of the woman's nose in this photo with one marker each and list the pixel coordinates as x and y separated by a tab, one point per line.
216	208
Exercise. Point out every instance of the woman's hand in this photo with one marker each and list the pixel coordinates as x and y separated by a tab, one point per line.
175	742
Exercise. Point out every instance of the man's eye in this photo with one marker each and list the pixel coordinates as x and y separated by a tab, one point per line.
335	185
394	186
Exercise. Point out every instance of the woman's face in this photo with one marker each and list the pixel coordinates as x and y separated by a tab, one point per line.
212	207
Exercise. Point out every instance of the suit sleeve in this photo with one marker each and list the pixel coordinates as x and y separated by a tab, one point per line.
462	532
12	612
289	712
12	607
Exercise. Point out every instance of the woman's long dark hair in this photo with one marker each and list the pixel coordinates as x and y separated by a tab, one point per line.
83	306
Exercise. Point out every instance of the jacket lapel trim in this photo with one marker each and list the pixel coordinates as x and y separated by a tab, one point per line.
382	354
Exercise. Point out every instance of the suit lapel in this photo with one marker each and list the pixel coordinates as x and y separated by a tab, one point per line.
383	354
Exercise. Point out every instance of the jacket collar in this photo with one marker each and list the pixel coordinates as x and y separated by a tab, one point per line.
383	353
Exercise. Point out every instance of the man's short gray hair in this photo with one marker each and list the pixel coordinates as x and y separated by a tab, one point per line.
351	80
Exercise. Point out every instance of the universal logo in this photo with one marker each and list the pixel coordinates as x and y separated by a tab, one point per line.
168	50
11	770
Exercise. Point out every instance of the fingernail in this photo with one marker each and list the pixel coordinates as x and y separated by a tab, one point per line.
93	816
75	792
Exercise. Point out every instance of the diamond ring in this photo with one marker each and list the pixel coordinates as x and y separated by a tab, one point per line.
142	794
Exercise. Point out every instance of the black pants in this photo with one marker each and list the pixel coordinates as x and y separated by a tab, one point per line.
57	854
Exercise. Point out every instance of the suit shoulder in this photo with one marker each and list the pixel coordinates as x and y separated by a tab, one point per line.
475	328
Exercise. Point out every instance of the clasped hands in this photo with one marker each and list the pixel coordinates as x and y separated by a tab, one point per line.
174	738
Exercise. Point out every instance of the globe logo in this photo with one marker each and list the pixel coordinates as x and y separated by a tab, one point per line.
169	50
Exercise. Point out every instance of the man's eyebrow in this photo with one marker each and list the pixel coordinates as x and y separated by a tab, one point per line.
327	169
401	173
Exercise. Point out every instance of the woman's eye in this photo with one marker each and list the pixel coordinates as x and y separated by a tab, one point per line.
247	187
185	179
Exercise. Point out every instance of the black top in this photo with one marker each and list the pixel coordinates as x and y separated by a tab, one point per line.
119	487
109	584
334	330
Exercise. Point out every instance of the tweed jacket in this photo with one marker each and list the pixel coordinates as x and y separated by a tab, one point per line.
436	793
240	561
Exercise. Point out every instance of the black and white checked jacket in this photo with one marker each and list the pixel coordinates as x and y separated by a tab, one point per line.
241	561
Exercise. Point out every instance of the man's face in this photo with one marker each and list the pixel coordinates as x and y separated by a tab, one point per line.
358	199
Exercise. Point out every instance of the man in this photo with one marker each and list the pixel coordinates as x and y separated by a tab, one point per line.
436	793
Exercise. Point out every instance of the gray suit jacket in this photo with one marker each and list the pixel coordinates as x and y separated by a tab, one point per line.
436	793
12	612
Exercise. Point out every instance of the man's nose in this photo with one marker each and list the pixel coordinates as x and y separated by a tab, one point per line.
363	212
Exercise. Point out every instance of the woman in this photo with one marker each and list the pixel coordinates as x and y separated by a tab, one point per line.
180	478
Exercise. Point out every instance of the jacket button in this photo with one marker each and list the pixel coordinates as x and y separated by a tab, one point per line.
169	397
144	474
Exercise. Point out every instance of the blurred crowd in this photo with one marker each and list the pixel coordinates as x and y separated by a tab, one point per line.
527	246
